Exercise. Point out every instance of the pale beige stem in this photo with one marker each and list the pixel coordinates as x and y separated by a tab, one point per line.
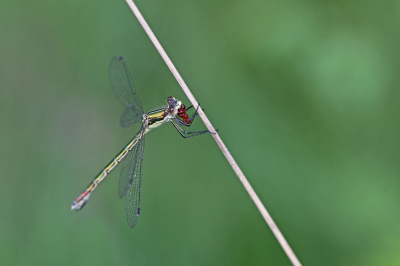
289	252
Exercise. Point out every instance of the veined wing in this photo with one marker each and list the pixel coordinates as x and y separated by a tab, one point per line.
129	117
130	182
122	86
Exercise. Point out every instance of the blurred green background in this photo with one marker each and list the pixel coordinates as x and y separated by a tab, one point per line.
304	94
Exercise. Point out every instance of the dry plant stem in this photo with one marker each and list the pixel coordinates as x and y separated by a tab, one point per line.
289	252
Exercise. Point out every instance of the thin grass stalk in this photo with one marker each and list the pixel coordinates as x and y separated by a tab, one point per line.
281	239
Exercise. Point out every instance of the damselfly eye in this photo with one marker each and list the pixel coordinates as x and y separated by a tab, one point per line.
170	100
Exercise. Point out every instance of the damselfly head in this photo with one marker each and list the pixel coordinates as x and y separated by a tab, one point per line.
173	105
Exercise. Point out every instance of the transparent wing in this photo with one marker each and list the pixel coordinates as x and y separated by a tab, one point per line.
128	167
134	187
129	117
122	86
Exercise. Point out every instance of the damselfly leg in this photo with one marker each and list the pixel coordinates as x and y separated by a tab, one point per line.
187	121
185	134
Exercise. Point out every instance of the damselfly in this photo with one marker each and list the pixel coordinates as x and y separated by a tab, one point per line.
131	173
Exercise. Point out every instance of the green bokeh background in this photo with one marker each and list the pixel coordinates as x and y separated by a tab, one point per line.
305	96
